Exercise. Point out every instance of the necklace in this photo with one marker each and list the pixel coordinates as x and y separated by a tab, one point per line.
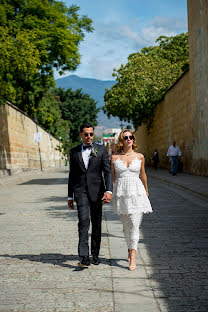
126	153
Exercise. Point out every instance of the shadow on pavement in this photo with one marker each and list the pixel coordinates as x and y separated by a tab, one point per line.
56	199
52	181
62	260
62	212
57	211
176	239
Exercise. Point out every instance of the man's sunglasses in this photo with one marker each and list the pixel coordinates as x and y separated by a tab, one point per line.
126	137
88	134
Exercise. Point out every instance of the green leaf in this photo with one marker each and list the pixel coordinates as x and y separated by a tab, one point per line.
143	81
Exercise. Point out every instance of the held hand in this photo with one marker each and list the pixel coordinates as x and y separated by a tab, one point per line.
70	204
106	198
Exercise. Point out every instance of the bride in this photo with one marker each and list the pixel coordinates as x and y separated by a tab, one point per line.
130	190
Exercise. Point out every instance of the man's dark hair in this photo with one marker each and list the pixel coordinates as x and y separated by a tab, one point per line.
86	125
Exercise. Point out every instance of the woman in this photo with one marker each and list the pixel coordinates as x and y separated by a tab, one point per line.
130	190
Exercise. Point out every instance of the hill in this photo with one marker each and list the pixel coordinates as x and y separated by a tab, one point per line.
96	89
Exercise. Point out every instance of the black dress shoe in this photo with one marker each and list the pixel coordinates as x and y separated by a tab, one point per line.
84	261
95	260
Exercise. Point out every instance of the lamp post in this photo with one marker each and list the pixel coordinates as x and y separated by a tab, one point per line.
35	119
59	151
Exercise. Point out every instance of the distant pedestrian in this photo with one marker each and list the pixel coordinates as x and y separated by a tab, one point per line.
173	153
155	158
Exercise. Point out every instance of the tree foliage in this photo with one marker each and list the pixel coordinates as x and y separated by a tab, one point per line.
19	59
49	115
36	37
77	108
143	81
61	112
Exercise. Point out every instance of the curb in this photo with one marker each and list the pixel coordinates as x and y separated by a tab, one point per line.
23	177
205	196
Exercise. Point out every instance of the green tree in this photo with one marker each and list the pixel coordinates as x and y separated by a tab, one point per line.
19	59
143	81
49	115
77	108
55	34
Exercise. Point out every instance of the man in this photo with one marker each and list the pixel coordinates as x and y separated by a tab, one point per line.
90	182
173	153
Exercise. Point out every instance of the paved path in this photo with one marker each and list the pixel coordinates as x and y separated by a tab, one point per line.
38	257
195	184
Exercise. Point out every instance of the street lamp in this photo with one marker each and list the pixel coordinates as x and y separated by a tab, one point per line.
59	151
36	123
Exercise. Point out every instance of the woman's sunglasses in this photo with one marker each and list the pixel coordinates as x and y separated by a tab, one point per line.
88	134
126	137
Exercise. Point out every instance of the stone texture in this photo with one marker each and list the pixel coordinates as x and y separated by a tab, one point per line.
183	114
38	258
18	151
173	120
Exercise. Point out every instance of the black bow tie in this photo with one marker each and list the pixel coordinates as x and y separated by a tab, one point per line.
86	146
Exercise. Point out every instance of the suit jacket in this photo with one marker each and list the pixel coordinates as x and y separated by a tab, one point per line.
97	177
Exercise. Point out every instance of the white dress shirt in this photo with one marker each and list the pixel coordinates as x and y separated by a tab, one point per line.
86	158
174	151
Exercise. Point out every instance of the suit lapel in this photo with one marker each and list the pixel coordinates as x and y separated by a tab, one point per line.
91	157
80	158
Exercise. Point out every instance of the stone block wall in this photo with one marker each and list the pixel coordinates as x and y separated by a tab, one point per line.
18	150
183	115
173	121
198	54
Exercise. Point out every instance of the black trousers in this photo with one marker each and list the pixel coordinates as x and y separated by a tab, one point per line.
88	210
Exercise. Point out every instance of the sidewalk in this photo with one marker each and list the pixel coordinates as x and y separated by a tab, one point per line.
195	184
24	176
38	258
132	290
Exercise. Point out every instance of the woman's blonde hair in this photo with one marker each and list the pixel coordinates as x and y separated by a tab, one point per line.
120	145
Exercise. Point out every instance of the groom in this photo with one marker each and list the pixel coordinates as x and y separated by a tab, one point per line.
90	184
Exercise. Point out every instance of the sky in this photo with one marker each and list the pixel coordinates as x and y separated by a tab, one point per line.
122	27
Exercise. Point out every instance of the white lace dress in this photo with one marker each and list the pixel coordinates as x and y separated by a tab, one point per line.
130	200
129	193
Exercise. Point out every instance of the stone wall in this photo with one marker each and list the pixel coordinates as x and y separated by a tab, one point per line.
18	150
198	54
183	115
173	120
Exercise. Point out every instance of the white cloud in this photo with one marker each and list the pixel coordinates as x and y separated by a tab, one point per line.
111	43
103	69
162	25
169	23
132	35
151	33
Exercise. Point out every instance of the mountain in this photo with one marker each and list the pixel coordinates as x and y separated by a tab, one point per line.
96	89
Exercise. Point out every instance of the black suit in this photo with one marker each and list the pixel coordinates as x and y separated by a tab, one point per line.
88	187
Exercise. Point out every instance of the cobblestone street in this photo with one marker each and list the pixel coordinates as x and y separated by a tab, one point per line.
175	242
38	257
